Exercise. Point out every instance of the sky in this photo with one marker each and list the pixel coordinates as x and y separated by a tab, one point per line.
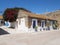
35	6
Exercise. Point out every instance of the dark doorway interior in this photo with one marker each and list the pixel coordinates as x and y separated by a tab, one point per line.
34	24
42	23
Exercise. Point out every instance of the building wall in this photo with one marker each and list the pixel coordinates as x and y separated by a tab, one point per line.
47	24
29	22
25	23
55	15
13	24
22	25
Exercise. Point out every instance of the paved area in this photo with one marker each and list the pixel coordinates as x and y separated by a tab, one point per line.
37	38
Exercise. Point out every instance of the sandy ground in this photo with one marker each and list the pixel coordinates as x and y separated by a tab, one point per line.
37	38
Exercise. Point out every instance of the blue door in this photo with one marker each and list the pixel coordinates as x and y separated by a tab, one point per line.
34	24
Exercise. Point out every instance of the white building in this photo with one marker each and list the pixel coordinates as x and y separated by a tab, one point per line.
27	21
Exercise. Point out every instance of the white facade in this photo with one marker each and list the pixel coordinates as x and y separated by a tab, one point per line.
22	26
42	27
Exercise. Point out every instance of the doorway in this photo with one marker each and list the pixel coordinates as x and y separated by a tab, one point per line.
34	24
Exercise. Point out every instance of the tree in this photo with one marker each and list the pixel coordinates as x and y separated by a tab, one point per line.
11	14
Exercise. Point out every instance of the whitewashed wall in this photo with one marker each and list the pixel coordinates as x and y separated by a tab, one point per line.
22	26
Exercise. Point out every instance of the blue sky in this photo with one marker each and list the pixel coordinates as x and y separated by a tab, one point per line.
36	6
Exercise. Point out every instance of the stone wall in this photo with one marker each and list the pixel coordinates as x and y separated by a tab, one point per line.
29	22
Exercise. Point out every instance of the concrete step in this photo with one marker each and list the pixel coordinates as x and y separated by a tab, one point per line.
9	30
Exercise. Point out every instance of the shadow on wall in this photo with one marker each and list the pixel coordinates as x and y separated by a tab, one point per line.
2	31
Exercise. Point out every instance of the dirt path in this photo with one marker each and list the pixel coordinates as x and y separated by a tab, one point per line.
38	38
